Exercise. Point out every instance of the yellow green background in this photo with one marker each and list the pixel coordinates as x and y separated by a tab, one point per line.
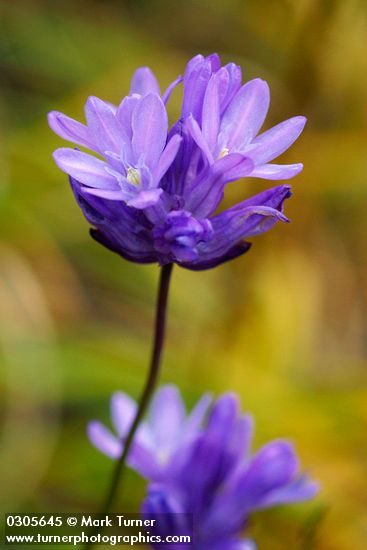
284	326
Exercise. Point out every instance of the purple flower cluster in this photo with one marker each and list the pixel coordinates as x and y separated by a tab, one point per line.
164	433
151	192
199	465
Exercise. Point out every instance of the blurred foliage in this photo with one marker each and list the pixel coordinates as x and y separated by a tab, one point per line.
284	326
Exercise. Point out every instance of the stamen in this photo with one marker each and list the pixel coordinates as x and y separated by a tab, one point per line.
133	176
224	152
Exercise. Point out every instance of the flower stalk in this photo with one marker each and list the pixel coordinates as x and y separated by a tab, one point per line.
153	374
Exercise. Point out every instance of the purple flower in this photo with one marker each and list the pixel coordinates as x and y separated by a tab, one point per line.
154	196
200	465
178	236
219	482
224	117
166	430
133	141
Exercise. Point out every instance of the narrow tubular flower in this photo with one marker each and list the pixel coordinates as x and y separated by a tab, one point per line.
219	481
152	194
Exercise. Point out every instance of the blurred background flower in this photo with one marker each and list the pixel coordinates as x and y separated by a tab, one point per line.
284	326
214	476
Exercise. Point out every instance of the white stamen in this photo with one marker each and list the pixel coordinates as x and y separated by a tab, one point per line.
133	176
224	152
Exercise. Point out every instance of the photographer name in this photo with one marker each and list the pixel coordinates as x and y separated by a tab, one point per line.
115	520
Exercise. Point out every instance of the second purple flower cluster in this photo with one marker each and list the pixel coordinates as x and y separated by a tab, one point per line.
202	475
151	193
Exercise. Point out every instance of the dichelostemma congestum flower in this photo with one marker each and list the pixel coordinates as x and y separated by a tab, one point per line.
200	465
152	193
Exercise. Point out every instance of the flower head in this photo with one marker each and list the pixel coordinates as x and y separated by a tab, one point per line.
219	481
200	465
153	195
133	141
166	431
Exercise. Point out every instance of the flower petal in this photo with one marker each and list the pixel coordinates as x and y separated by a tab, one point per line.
85	168
173	518
103	125
203	197
143	460
125	113
197	135
167	414
245	115
273	467
70	129
223	417
248	219
240	442
251	217
131	253
123	410
150	125
107	194
140	457
197	415
171	87
167	157
276	171
214	61
234	84
144	82
196	77
103	439
208	261
273	197
302	488
145	199
278	139
211	107
246	223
